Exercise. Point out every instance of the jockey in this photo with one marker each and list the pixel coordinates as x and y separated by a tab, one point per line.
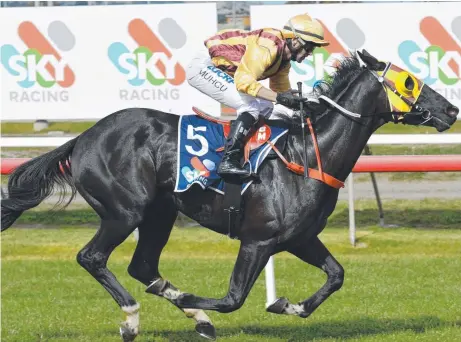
229	69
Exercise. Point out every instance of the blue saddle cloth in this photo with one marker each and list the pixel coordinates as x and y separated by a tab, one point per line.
198	158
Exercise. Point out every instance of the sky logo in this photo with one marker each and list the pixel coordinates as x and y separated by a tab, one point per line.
151	60
324	59
40	63
441	60
200	170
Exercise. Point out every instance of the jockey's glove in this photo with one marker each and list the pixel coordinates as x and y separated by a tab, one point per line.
290	100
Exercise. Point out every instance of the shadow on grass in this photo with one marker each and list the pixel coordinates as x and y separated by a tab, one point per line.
77	217
406	217
57	218
336	329
342	330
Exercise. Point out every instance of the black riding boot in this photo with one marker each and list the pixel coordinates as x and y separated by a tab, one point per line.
230	164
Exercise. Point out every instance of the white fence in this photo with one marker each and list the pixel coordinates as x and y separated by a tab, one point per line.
376	139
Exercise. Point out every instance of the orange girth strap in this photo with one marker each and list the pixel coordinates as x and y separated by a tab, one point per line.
315	174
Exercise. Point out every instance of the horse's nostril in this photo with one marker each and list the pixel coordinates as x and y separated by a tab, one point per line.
452	111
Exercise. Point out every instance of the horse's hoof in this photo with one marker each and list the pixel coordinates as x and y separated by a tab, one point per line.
206	329
278	306
304	314
128	334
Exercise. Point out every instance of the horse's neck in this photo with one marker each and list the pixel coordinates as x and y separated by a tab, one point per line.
340	139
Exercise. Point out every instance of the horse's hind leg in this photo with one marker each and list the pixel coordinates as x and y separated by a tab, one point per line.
316	254
154	232
114	229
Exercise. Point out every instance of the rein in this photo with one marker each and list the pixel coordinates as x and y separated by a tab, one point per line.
313	173
396	117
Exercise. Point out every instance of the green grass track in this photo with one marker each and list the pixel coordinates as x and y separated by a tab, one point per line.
401	285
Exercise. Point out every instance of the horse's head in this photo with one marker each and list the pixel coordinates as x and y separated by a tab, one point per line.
411	101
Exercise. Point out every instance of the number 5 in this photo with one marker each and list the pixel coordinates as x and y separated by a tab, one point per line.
191	135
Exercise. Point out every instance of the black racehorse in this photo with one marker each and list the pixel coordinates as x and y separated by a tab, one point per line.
125	168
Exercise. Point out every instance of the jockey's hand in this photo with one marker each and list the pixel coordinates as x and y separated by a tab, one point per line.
290	100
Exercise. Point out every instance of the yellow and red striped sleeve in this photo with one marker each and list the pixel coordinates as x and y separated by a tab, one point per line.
248	56
263	51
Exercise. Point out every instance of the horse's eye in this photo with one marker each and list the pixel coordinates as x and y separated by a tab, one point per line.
409	83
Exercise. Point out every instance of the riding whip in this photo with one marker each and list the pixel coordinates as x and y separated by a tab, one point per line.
301	108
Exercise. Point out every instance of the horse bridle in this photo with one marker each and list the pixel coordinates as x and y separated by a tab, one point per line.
395	116
399	116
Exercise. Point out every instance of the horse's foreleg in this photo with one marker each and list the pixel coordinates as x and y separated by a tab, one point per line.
251	260
316	254
93	257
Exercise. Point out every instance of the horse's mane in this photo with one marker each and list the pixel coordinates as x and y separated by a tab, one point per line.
346	69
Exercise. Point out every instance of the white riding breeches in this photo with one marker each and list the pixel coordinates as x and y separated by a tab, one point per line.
217	84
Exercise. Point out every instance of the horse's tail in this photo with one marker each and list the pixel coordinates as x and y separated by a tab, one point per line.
32	182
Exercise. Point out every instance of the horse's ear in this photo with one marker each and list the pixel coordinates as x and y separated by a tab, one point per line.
371	61
366	53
